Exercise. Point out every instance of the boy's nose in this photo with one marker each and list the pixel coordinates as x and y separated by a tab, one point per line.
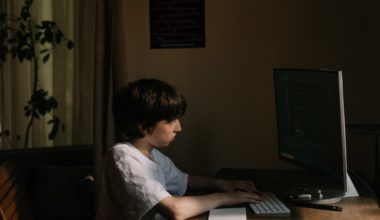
177	127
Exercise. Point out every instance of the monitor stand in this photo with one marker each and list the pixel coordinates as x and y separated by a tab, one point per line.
326	195
318	196
351	189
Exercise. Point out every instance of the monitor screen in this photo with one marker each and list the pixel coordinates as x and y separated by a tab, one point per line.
310	120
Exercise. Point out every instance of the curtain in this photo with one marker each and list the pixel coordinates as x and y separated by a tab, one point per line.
56	77
68	76
84	67
84	88
102	76
110	72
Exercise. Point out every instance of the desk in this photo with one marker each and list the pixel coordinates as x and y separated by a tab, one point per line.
363	207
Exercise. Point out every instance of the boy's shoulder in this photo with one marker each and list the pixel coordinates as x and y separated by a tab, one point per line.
121	149
118	147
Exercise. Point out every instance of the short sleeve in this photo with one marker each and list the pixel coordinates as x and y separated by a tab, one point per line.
175	179
136	186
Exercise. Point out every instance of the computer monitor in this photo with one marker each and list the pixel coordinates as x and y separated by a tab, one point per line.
311	123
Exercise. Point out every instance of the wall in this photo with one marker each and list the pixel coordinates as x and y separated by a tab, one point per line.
229	84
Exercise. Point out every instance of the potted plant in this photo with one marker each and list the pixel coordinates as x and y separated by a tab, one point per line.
27	40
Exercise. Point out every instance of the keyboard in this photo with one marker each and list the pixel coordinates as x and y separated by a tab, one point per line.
271	206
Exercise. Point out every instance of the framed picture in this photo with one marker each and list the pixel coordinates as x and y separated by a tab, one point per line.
177	23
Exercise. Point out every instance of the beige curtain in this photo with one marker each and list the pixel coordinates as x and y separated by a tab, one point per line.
68	76
84	88
84	68
56	76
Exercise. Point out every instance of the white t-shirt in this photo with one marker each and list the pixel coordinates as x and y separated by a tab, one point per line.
132	184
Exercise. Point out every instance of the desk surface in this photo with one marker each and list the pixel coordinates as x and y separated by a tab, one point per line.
363	207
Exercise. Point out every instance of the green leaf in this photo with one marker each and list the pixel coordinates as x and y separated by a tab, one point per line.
49	35
36	115
45	24
28	54
3	52
42	110
39	26
70	44
25	14
22	26
21	56
58	36
38	36
28	2
27	113
5	133
53	102
54	131
46	58
14	52
12	40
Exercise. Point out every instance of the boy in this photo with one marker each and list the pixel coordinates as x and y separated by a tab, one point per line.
138	181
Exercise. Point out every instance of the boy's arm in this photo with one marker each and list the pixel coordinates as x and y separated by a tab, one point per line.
187	206
196	183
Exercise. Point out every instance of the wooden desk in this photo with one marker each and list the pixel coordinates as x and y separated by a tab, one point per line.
364	207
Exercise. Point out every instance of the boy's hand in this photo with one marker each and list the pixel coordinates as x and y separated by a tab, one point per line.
233	186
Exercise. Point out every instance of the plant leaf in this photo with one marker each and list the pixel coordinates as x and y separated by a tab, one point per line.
52	102
54	130
49	36
36	115
70	44
46	58
5	133
21	56
28	54
38	35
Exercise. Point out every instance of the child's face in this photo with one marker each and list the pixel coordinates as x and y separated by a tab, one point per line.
163	133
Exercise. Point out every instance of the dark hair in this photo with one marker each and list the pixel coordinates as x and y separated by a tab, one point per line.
140	105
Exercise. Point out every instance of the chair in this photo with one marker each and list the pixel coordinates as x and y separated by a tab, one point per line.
14	200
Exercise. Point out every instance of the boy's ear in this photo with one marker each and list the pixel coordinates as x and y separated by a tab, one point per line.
145	131
142	130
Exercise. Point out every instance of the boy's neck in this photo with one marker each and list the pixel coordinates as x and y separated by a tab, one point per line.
143	147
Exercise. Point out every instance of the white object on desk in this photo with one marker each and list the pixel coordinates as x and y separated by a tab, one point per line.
227	214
